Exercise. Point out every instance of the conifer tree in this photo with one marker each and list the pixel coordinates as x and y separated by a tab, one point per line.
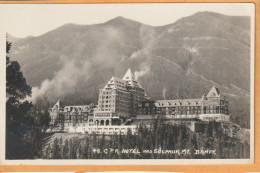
65	149
56	149
86	149
25	124
18	121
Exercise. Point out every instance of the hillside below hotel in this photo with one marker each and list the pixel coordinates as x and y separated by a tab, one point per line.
123	105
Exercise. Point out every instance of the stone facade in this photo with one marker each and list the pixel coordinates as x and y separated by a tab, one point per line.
123	105
213	106
70	115
118	100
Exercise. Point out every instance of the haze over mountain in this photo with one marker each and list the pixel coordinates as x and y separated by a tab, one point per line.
183	60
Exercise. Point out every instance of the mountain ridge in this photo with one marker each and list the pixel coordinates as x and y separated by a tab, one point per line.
184	59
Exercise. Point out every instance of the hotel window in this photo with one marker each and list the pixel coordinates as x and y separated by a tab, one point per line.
204	109
208	109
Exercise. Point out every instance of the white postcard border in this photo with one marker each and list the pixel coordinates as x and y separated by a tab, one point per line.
124	161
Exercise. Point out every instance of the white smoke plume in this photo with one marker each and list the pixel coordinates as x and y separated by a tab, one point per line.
64	81
145	69
76	69
164	93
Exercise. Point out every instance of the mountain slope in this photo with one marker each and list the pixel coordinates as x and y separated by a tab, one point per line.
183	59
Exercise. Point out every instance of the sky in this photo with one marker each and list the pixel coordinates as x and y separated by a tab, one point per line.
22	20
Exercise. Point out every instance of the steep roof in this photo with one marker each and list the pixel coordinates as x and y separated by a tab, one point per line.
77	108
58	105
129	77
214	92
178	102
115	82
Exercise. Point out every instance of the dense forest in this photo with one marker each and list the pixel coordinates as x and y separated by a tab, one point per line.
162	141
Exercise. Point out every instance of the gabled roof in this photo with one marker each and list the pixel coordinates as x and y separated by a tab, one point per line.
115	82
58	105
178	102
129	77
77	108
214	92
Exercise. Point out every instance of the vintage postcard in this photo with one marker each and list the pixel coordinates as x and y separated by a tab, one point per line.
139	84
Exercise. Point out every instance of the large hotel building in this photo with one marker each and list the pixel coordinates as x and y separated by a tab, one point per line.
118	99
122	101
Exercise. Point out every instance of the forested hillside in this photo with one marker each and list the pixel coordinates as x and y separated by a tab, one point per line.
159	142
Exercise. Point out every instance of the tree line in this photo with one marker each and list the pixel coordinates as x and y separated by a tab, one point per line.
209	143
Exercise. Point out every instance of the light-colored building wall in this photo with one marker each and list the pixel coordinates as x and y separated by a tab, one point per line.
108	130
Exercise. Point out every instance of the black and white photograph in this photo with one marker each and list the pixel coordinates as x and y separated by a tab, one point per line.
128	83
